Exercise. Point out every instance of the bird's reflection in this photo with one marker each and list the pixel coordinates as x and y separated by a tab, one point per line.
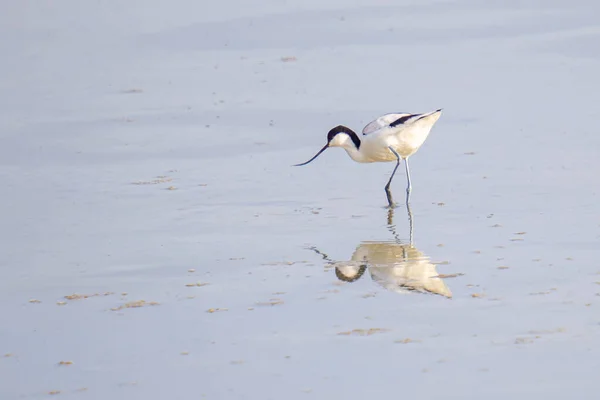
393	265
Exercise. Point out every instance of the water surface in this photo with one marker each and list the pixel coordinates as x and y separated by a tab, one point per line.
157	241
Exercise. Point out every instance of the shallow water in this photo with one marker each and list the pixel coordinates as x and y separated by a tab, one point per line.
146	155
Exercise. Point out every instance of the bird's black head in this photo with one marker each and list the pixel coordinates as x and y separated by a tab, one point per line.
337	137
343	129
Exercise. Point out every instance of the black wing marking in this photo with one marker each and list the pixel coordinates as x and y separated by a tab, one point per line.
403	119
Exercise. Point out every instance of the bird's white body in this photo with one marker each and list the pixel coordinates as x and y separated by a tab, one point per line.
379	136
391	137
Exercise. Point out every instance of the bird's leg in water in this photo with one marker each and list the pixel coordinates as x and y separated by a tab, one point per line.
409	186
387	187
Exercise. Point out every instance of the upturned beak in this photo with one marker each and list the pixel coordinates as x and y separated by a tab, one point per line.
316	155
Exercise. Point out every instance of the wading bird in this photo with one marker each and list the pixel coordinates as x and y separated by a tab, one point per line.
390	137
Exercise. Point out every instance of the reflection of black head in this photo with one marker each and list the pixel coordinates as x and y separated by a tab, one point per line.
350	279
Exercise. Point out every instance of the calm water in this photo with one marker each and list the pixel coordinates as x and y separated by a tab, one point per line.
158	243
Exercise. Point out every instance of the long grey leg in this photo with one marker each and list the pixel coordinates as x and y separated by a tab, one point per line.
387	187
409	187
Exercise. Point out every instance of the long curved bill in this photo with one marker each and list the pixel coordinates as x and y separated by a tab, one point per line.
316	155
